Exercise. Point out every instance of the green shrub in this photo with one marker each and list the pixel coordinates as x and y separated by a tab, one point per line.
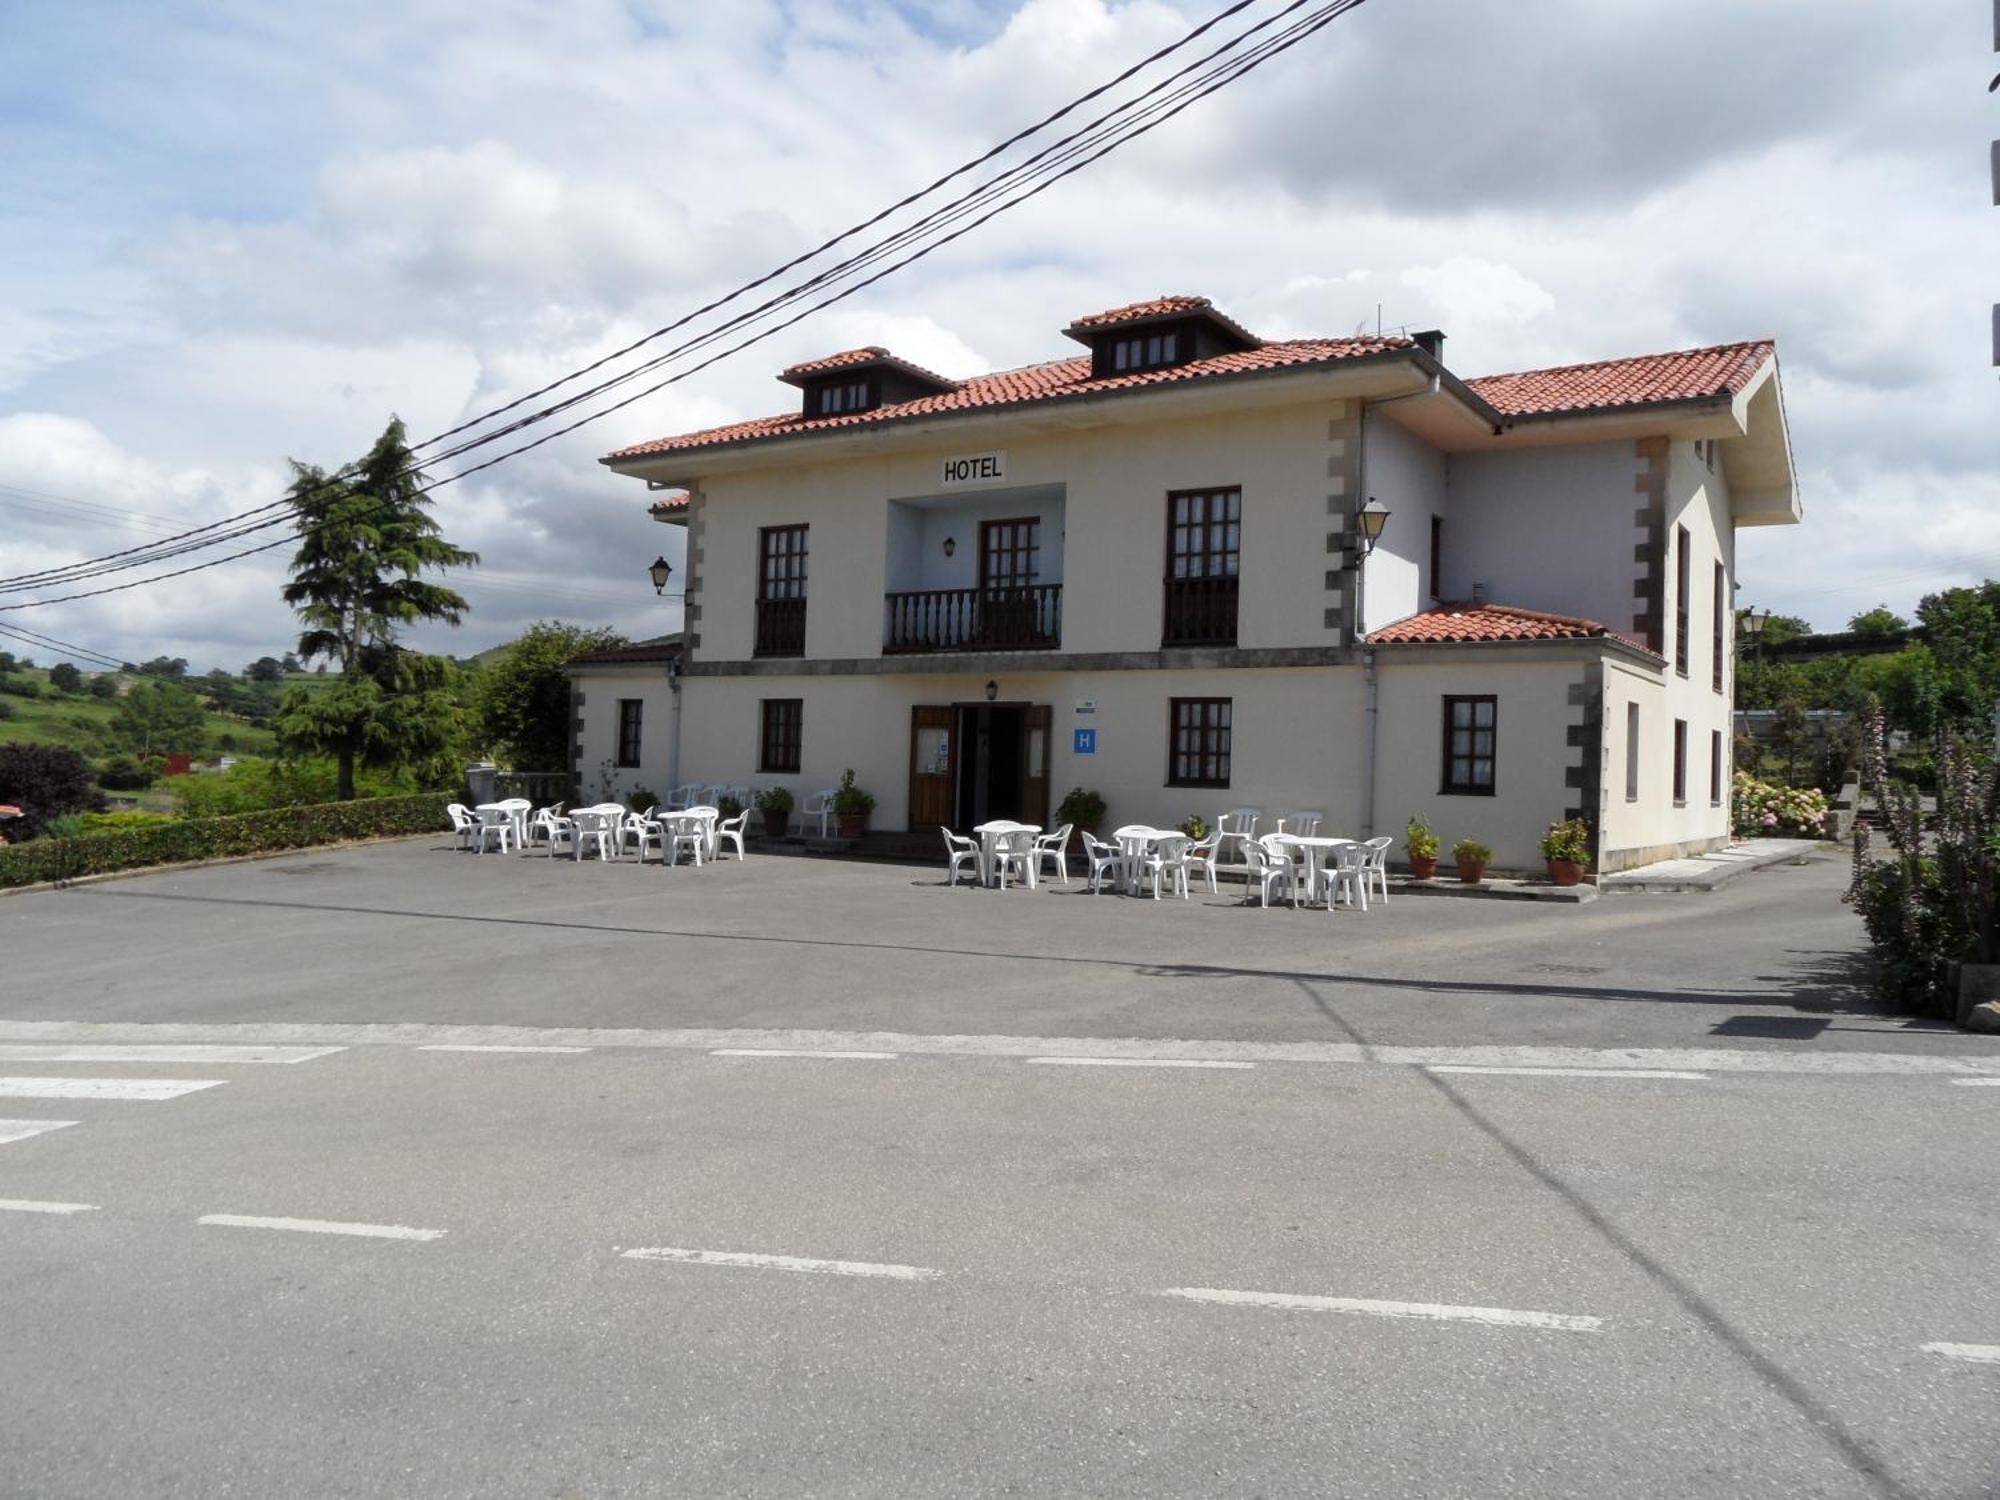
1420	839
775	799
1082	809
257	785
118	822
1472	852
1567	840
182	839
21	687
127	773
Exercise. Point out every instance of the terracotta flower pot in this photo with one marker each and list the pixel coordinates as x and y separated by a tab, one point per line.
1424	867
1472	871
852	825
1565	871
774	824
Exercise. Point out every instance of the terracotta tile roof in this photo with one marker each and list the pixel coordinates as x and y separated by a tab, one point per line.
1062	379
840	361
1684	375
650	651
1479	624
670	503
1134	312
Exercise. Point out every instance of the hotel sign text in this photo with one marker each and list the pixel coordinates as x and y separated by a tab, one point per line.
974	468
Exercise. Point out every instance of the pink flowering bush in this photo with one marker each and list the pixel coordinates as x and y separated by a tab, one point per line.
1758	807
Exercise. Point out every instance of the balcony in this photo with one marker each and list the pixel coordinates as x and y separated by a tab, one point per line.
781	627
1200	612
1025	618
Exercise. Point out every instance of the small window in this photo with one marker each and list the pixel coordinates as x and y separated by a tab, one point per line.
1470	725
1437	557
779	734
1715	768
843	396
1680	762
629	710
782	573
1681	584
1716	622
1631	752
1198	733
1145	352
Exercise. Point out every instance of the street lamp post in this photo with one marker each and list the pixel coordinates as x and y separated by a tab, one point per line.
661	571
1368	524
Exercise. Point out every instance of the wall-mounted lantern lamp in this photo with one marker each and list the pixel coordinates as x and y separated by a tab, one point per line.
1754	621
992	691
950	546
661	570
1369	523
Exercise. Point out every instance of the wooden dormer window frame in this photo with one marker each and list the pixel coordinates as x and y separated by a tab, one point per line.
843	396
1148	349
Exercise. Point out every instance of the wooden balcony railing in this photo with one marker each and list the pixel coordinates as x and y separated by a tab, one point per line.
1028	618
781	627
1200	612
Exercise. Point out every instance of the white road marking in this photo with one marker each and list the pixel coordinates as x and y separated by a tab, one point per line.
784	1263
1715	1060
1976	1354
491	1047
1977	1083
154	1089
159	1052
1140	1062
322	1226
1437	1312
29	1206
20	1130
1570	1072
800	1052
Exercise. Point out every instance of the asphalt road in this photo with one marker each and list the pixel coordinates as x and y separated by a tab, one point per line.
1064	1195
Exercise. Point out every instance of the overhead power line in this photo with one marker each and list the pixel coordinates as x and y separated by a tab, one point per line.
68	648
1055	163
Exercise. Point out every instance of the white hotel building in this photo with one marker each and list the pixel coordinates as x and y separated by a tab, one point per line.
1140	570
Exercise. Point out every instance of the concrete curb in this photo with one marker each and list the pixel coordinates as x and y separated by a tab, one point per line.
1638	882
206	864
1496	888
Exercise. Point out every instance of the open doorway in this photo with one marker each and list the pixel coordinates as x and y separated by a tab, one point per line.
972	763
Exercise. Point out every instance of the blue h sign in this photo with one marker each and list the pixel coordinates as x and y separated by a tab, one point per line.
1086	742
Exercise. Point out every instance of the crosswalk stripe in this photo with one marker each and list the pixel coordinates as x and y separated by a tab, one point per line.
20	1130
157	1052
30	1206
149	1089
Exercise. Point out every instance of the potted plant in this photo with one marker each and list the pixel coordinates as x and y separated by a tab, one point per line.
1566	846
1195	827
775	803
727	808
1472	857
641	800
1082	810
1422	844
851	806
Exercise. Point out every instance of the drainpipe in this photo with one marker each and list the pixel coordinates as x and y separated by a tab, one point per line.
674	730
1369	721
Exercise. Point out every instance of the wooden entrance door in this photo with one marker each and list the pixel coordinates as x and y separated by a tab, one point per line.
1036	722
933	765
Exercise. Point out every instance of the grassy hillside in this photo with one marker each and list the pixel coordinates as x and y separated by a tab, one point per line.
84	723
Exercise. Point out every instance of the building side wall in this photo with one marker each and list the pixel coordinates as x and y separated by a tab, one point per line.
1534	762
594	696
1407	476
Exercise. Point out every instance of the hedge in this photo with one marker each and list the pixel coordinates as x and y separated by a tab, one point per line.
221	838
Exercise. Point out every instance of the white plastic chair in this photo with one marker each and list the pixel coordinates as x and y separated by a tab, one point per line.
1304	824
1199	855
596	825
1233	831
549	826
1268	863
731	830
682	797
1053	848
518	809
1015	851
689	833
1346	873
1104	859
959	850
496	826
818	809
1376	876
1166	861
463	824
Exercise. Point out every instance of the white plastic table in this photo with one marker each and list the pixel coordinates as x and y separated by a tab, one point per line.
1313	848
1135	842
602	820
989	842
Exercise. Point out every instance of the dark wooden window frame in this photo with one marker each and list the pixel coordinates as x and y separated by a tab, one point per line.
1211	722
1683	581
784	556
1202	588
631	716
1715	768
1014	548
1452	782
1437	557
1716	610
838	398
1152	349
780	732
1680	762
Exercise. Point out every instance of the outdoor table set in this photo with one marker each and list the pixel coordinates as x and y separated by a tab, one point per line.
606	829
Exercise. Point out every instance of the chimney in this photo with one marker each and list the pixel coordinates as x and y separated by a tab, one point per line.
1431	341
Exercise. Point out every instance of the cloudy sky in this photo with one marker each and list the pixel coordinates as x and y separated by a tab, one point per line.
240	232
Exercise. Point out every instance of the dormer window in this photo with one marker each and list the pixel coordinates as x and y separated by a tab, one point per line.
1145	351
1158	335
841	396
861	380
